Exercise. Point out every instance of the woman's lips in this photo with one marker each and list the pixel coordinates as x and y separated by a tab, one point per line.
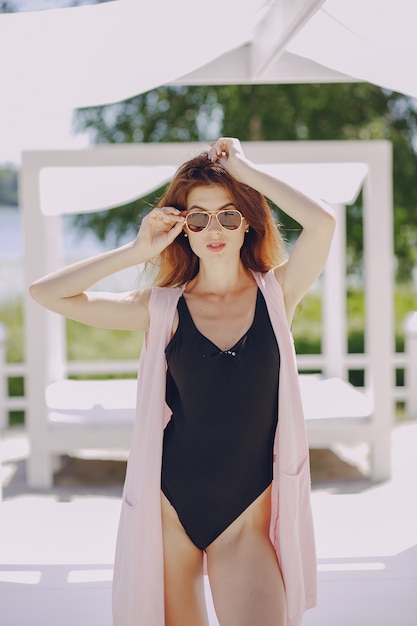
216	246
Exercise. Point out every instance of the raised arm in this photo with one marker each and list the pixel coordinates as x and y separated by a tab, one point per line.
66	291
309	253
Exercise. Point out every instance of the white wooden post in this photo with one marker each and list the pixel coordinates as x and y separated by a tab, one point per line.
3	378
410	331
44	337
379	314
334	336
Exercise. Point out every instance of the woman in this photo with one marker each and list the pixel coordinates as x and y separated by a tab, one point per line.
218	474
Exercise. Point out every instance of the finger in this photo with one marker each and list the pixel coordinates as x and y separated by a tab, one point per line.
218	150
211	153
222	147
175	231
167	210
173	222
163	214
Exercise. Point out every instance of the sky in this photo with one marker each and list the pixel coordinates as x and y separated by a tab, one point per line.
46	134
39	136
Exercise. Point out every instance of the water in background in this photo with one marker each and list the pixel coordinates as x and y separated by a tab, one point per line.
76	246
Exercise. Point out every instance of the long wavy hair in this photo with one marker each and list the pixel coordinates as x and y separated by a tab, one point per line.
263	245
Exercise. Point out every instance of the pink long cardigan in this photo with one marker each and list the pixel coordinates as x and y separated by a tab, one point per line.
138	584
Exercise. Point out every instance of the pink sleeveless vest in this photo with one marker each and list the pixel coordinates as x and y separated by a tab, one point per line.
138	583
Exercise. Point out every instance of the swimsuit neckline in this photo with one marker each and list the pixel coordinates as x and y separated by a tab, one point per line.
238	342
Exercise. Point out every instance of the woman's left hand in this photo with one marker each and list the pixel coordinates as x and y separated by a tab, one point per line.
229	153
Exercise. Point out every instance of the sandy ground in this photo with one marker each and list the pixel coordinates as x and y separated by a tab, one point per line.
57	545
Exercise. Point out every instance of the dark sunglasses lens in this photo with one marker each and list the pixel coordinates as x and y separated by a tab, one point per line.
197	221
230	219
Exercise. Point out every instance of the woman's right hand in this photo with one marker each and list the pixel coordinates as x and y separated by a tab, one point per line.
158	230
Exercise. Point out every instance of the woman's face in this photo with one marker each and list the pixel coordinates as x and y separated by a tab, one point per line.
214	242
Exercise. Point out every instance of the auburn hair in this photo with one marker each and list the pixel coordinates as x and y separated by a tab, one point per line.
263	246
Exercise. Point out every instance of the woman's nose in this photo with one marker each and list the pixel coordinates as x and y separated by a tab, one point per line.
214	223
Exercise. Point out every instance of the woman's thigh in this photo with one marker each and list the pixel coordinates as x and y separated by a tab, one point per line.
183	573
244	573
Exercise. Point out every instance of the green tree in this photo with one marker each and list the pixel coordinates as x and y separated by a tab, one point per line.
8	6
269	112
164	114
8	186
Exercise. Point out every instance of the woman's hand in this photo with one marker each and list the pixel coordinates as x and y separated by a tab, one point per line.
229	153
158	230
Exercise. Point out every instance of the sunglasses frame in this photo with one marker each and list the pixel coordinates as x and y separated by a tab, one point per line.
216	214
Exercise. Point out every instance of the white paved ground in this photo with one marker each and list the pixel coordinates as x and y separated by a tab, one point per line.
56	548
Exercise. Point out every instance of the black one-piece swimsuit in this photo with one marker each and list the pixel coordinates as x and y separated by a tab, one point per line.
218	446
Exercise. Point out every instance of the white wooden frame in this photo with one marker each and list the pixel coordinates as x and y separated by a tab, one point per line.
45	345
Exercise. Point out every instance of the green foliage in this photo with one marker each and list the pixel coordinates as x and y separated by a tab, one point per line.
8	186
87	343
270	112
405	225
164	114
306	326
8	6
11	317
405	301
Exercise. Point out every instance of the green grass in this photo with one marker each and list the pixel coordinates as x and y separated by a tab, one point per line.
87	343
405	302
11	316
306	327
307	323
307	320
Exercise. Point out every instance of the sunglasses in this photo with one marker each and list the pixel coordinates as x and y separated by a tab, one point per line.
229	219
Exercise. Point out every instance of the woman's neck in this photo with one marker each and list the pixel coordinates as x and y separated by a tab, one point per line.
220	279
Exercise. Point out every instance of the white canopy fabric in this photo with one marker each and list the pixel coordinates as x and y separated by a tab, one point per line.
66	190
87	189
55	60
96	54
371	40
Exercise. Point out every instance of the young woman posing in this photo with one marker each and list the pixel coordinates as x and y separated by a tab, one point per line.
218	475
